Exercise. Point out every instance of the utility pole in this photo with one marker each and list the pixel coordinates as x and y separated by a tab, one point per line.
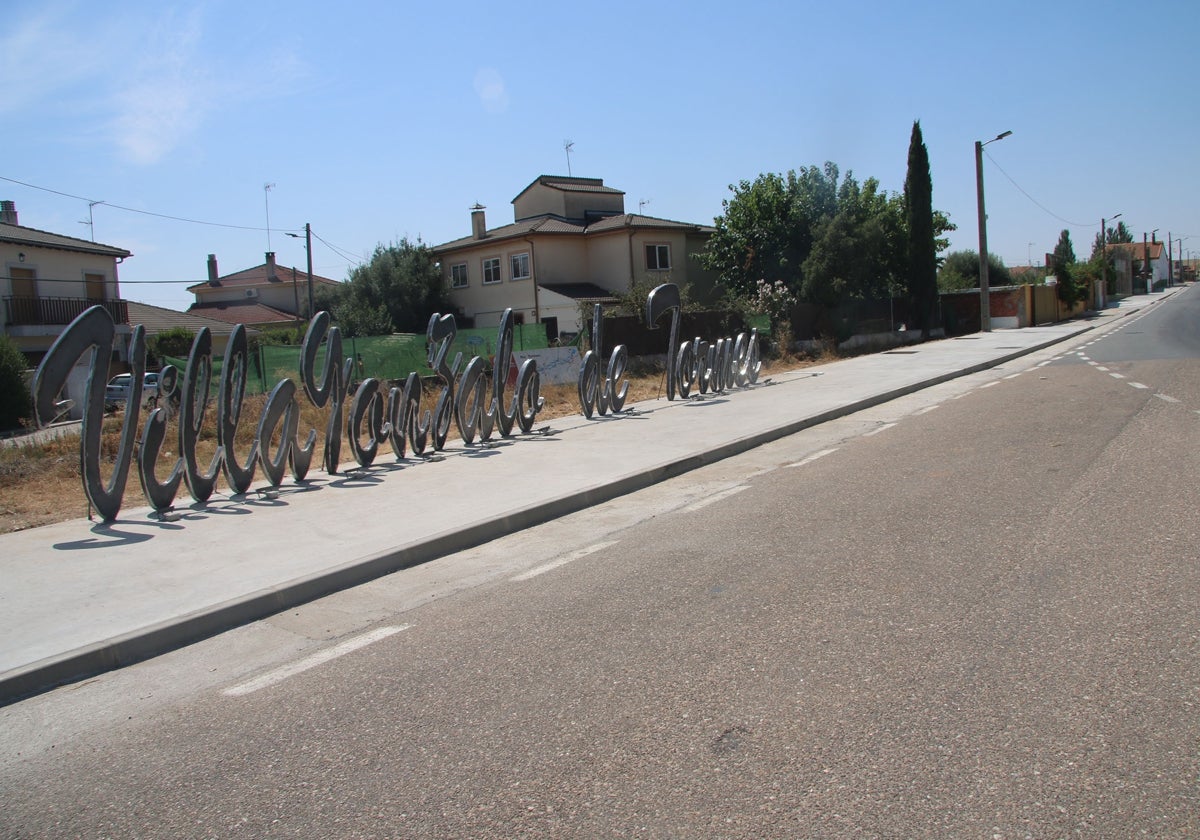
985	295
308	250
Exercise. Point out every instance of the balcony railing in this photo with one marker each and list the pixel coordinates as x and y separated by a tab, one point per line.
53	311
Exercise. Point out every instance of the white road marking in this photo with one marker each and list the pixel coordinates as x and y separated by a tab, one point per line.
562	561
810	458
716	497
1102	367
924	410
1117	375
1013	375
1137	385
319	658
989	384
882	428
1166	398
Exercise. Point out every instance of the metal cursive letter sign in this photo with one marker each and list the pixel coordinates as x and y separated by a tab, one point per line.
95	332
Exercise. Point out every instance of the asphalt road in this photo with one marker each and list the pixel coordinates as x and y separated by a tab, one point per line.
967	613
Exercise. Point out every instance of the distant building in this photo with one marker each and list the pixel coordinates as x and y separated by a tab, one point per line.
266	296
1146	260
571	244
158	319
50	279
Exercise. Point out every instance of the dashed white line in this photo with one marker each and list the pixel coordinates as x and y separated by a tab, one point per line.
876	431
1117	375
989	384
810	458
1013	375
1166	398
1102	367
924	410
562	561
716	497
1138	385
319	658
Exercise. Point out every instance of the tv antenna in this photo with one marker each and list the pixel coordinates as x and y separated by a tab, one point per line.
643	203
267	201
568	146
91	229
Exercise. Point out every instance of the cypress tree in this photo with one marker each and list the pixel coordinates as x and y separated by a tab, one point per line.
922	253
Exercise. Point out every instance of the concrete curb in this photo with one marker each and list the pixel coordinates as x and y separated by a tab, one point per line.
154	640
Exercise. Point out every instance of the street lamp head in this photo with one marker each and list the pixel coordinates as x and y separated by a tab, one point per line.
1003	135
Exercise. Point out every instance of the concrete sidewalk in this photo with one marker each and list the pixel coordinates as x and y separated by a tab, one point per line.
79	598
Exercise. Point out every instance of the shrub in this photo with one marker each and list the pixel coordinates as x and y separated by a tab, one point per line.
16	408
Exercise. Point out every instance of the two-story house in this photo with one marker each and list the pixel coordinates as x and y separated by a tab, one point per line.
267	296
50	279
571	243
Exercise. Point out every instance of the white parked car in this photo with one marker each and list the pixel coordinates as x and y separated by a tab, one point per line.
117	392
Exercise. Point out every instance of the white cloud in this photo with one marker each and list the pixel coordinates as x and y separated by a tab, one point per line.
142	82
489	87
165	95
39	56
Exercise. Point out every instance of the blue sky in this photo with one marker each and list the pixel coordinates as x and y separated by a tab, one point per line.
377	120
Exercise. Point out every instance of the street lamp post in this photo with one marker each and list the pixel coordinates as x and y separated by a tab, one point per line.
308	251
985	304
1104	250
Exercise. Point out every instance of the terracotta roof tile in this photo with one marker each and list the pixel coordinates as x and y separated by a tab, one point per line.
21	235
257	276
242	312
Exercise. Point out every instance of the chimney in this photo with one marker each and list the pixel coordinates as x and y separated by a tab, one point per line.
212	270
478	225
8	212
271	265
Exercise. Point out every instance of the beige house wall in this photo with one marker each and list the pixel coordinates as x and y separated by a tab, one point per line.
540	200
486	303
60	274
281	295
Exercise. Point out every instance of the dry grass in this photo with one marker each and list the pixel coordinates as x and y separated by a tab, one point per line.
40	484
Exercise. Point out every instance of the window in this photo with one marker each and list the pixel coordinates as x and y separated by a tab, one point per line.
520	266
491	270
458	276
658	257
94	283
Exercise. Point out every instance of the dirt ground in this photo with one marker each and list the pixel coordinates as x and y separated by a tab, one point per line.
40	484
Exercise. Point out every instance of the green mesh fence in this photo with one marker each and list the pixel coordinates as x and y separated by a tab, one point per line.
382	356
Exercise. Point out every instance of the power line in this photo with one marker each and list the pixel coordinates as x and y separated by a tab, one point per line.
343	254
134	209
1034	200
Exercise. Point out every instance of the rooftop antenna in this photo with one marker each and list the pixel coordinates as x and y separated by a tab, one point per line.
91	228
568	145
267	201
642	204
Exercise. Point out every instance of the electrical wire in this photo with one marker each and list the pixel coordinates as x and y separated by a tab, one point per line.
343	254
1034	200
142	212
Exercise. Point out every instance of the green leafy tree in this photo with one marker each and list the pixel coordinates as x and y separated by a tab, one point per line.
1064	251
1112	236
960	271
15	405
175	342
396	290
857	252
767	228
922	247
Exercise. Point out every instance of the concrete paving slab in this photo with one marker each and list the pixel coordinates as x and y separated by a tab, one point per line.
78	598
